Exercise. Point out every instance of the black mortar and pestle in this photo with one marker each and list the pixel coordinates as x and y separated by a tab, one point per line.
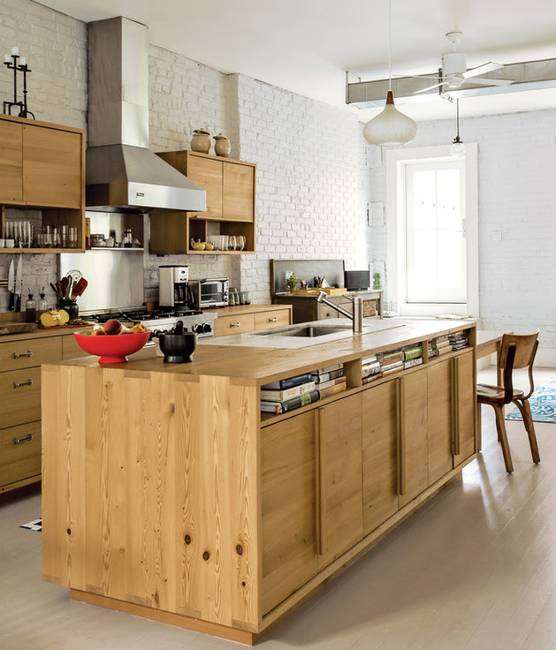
178	346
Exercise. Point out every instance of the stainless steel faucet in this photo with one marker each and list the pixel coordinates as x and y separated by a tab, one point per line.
357	316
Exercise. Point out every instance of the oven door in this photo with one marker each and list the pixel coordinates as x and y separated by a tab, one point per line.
213	292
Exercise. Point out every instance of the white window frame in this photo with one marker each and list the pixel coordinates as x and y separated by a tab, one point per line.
396	220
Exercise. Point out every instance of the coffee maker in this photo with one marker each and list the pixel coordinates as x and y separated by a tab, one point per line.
174	289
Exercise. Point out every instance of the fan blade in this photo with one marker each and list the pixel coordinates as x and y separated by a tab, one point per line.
424	90
482	81
482	69
415	76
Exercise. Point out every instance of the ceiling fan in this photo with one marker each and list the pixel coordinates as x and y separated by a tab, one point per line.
454	73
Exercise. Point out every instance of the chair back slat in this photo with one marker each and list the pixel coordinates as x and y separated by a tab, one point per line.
525	349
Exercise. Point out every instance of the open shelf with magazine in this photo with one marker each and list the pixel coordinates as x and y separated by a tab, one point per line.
317	385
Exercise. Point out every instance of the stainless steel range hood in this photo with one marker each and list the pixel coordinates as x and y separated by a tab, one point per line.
123	174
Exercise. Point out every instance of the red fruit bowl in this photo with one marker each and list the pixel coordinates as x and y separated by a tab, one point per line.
112	349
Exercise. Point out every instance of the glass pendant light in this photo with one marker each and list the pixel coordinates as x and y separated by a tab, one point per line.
390	126
457	150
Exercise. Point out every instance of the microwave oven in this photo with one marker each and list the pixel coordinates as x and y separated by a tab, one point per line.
210	292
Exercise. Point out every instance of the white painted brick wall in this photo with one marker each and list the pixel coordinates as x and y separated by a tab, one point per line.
517	196
312	181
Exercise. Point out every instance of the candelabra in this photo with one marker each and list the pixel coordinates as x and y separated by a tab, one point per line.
17	63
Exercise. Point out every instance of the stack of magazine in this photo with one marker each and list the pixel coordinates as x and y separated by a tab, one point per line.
392	361
330	380
288	394
294	392
370	368
412	356
458	341
439	346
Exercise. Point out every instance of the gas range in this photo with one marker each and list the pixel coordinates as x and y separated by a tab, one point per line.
160	320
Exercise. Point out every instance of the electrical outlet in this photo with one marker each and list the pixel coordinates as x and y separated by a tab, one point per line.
496	235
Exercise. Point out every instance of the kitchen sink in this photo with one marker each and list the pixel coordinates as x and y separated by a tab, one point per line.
307	331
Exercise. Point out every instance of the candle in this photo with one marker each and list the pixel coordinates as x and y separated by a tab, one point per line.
23	61
15	51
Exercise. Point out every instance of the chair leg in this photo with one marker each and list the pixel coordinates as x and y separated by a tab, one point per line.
525	410
503	437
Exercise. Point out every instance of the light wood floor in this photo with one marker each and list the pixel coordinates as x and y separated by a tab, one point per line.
474	569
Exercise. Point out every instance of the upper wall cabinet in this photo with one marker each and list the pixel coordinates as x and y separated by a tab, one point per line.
42	167
41	164
230	188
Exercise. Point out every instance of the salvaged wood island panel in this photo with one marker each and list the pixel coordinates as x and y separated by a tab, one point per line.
167	494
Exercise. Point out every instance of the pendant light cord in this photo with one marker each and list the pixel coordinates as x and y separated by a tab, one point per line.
389	44
457	119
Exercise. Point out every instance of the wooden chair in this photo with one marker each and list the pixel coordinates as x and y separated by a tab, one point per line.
516	351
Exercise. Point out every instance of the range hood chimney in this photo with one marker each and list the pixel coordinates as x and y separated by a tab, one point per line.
123	174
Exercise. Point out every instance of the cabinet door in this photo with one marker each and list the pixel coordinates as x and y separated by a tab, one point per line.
239	192
464	398
52	167
207	173
11	180
288	460
440	417
340	502
380	454
413	435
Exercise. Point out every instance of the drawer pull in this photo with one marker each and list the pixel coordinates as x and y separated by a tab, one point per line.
236	324
22	384
274	319
22	355
19	441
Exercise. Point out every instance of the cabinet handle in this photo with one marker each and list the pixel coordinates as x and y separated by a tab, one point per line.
401	436
318	484
236	324
21	355
21	384
274	319
455	403
19	441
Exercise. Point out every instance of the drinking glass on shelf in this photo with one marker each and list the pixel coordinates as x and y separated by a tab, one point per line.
224	242
72	237
232	243
241	241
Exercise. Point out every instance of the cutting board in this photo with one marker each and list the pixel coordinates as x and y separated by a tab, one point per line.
16	328
331	291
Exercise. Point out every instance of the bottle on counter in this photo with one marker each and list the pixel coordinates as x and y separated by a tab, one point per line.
128	238
30	309
43	304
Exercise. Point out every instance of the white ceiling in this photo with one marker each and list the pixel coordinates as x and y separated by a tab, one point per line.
306	45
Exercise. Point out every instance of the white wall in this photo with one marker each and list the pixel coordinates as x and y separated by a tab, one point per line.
517	197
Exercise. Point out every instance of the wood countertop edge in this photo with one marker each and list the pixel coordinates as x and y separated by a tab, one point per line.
240	363
246	309
40	334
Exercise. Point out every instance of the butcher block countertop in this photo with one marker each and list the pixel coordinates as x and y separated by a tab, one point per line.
260	365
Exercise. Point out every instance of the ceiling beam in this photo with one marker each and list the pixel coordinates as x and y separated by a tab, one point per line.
529	75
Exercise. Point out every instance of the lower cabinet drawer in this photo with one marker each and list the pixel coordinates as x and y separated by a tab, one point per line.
227	325
20	453
20	396
29	353
268	319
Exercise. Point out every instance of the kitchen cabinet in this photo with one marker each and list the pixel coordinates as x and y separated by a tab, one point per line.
208	174
413	435
249	318
288	484
380	471
238	192
230	189
11	162
52	174
20	453
42	167
339	492
440	418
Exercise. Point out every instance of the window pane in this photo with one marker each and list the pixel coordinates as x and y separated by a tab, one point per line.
435	241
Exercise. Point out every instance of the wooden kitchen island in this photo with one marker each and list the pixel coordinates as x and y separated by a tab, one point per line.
168	495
